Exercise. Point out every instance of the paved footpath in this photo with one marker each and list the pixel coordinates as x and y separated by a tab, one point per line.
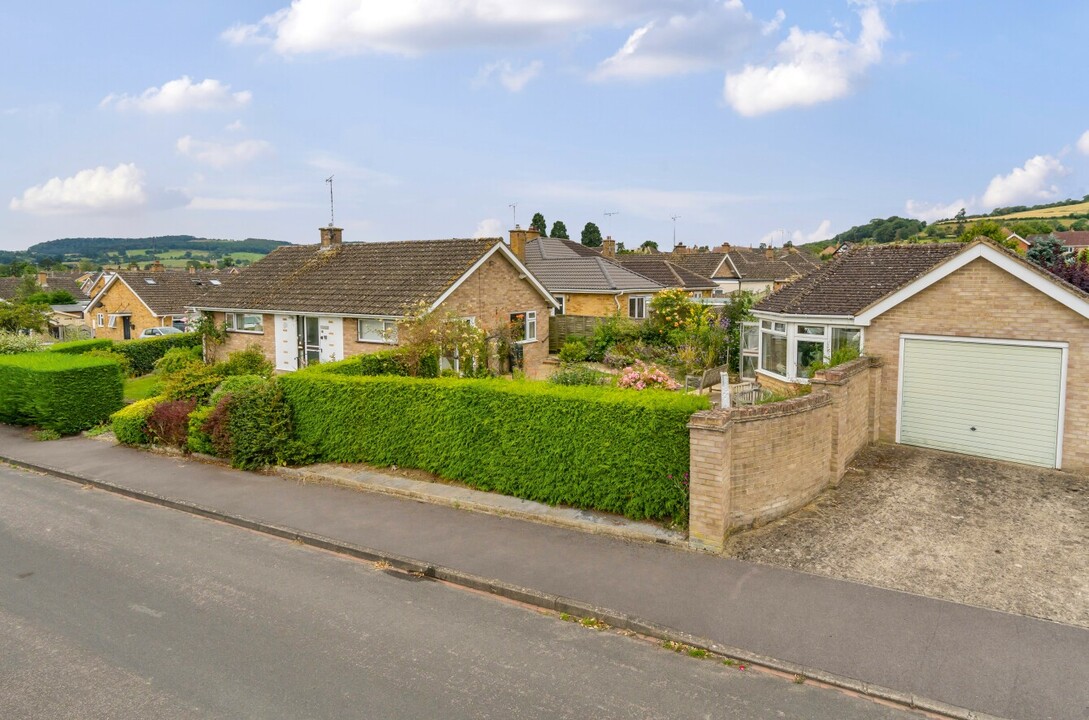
1004	665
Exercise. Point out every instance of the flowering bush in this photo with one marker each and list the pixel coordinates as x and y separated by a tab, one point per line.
641	377
12	343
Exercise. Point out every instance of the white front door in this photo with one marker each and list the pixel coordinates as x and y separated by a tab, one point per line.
996	399
287	343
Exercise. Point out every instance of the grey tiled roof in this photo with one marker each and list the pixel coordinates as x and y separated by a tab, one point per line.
708	264
754	264
387	278
854	280
65	281
561	267
8	286
659	269
169	292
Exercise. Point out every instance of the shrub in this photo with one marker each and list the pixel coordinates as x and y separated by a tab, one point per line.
78	347
168	422
645	377
14	343
610	332
198	441
106	354
573	351
60	392
250	361
260	428
234	384
578	375
143	353
130	423
385	362
176	359
217	429
193	382
588	447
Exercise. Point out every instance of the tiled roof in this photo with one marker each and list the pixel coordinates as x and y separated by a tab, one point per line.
660	269
754	264
704	263
852	281
65	281
8	286
386	278
562	267
169	292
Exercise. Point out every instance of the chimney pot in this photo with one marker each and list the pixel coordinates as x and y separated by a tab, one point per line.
157	267
331	236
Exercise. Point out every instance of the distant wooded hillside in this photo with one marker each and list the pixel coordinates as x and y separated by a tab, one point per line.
101	248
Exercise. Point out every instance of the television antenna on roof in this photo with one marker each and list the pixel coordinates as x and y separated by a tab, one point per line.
330	181
610	214
675	218
514	213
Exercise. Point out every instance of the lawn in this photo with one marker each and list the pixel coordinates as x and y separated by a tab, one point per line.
140	388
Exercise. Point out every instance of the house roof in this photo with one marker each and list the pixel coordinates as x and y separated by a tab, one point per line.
852	281
8	286
383	278
660	269
754	264
706	264
65	281
565	266
164	292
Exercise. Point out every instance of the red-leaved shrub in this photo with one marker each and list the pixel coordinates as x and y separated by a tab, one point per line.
168	423
217	427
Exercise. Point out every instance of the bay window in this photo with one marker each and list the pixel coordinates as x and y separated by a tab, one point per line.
788	350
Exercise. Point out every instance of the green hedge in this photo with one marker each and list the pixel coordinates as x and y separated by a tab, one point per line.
66	393
143	353
599	448
78	347
384	362
130	423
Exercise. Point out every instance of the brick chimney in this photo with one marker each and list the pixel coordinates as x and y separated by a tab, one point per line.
608	247
518	238
157	267
680	249
331	237
192	270
43	279
769	253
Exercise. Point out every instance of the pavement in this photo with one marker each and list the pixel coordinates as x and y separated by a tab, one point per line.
932	652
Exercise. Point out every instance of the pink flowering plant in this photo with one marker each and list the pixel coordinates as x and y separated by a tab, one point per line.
641	376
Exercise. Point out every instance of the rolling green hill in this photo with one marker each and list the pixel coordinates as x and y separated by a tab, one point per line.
164	247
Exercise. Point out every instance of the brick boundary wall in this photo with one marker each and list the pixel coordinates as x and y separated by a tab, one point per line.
753	464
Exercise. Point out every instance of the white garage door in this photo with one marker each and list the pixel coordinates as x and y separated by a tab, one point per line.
992	399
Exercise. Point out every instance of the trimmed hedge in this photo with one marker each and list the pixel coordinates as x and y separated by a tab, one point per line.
78	347
384	362
66	393
130	423
143	353
599	448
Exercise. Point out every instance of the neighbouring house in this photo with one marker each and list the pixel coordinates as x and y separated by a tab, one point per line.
658	268
1073	241
744	268
582	280
318	303
61	316
982	352
1019	243
130	301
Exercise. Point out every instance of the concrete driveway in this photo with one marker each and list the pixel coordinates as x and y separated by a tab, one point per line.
998	535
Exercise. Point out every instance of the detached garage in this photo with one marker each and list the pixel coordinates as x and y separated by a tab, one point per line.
982	352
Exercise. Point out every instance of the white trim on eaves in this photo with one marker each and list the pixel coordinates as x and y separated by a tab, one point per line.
1052	288
523	271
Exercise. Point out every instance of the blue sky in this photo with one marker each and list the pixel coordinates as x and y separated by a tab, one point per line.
750	120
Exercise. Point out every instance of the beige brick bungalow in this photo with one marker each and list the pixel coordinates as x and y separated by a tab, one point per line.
320	303
982	352
127	302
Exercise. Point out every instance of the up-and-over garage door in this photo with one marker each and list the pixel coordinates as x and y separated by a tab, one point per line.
996	399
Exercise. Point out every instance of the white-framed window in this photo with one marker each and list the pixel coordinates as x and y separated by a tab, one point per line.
523	326
562	302
789	349
245	322
113	321
377	330
637	307
773	347
100	320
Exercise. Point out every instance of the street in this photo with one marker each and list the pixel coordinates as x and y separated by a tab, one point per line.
110	607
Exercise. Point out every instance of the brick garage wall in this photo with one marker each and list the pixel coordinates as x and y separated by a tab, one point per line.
750	465
964	305
491	294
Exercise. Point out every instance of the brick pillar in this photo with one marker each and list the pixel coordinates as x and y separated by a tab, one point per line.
875	398
837	391
709	479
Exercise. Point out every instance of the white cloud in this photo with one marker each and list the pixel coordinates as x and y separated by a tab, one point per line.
1032	181
811	68
88	191
706	38
1083	143
821	233
936	211
181	95
239	204
222	154
236	126
489	228
510	76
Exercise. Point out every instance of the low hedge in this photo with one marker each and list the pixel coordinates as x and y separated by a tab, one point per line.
143	353
78	347
599	448
62	392
130	423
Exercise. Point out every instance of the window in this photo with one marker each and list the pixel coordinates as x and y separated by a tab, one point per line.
245	322
101	320
637	307
377	330
843	337
149	281
808	352
773	353
113	321
563	304
523	326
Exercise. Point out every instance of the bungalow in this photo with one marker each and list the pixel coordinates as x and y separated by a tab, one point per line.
130	301
1073	241
982	352
744	268
316	303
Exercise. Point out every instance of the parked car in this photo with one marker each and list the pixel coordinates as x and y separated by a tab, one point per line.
159	331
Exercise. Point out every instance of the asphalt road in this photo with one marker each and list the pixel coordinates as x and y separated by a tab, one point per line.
112	608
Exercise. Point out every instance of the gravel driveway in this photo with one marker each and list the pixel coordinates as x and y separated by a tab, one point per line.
994	534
